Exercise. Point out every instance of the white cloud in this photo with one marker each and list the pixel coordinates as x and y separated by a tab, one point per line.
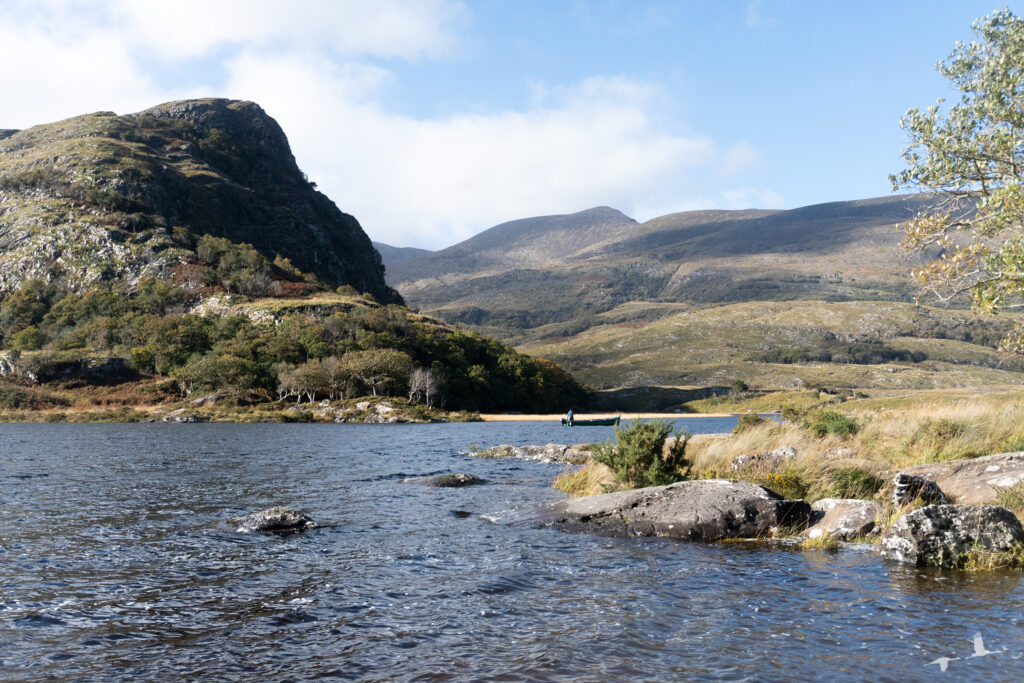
410	181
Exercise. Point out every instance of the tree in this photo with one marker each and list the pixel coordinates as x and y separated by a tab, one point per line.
424	384
381	370
972	157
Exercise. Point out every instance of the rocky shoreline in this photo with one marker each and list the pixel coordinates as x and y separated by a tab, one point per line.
939	534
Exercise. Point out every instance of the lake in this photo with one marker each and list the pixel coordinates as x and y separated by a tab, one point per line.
116	563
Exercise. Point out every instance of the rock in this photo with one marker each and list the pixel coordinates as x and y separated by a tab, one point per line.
943	535
976	481
205	400
374	419
909	488
180	417
841	453
273	520
383	409
551	452
843	519
771	460
363	405
701	510
448	481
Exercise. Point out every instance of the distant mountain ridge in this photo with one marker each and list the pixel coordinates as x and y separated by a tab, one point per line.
527	273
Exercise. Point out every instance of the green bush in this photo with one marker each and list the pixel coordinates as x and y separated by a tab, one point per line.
831	422
852	482
639	458
29	339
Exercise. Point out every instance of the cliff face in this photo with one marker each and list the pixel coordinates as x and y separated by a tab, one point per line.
101	196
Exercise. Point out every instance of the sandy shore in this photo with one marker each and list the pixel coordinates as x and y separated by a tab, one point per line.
504	417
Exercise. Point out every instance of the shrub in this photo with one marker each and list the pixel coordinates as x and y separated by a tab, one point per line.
1012	498
831	422
748	420
29	339
639	457
852	482
788	484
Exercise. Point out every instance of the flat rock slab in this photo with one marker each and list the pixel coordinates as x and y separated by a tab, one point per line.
944	535
448	481
844	519
273	520
702	510
976	481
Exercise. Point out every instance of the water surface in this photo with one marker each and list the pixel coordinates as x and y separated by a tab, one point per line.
116	563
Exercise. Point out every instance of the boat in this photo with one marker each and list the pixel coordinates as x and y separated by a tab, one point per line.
600	422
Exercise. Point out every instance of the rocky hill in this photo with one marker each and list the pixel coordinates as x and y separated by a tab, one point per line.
106	197
149	258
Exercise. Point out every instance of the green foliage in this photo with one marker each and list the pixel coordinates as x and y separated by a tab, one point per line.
831	422
787	483
748	420
851	482
971	155
28	339
639	457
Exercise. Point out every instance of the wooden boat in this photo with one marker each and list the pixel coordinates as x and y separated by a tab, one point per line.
600	422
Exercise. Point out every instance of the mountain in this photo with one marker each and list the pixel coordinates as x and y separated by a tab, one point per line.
528	273
103	197
391	255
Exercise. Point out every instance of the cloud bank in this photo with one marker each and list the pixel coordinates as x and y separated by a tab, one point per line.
322	69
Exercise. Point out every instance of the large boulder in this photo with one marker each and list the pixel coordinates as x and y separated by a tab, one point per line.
945	535
843	519
976	481
273	520
908	488
702	510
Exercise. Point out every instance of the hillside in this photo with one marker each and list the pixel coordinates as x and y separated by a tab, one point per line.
149	258
590	262
105	197
390	255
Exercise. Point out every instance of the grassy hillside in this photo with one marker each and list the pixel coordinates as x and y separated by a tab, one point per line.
874	345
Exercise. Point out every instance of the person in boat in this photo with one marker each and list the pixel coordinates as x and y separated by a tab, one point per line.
568	418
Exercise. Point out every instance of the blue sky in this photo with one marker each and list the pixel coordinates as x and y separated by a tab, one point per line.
433	120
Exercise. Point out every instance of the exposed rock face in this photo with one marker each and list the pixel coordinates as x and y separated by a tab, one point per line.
702	510
841	453
910	487
551	452
843	519
273	520
943	535
448	481
771	460
976	481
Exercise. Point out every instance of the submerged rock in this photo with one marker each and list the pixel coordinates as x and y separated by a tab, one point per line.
702	510
976	481
275	520
453	480
844	519
944	535
910	487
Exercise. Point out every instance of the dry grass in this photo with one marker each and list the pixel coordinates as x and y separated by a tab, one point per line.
591	479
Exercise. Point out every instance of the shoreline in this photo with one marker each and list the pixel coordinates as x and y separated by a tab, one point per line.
557	417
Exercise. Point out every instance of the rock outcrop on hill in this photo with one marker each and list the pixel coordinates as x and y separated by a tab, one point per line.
976	481
101	197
